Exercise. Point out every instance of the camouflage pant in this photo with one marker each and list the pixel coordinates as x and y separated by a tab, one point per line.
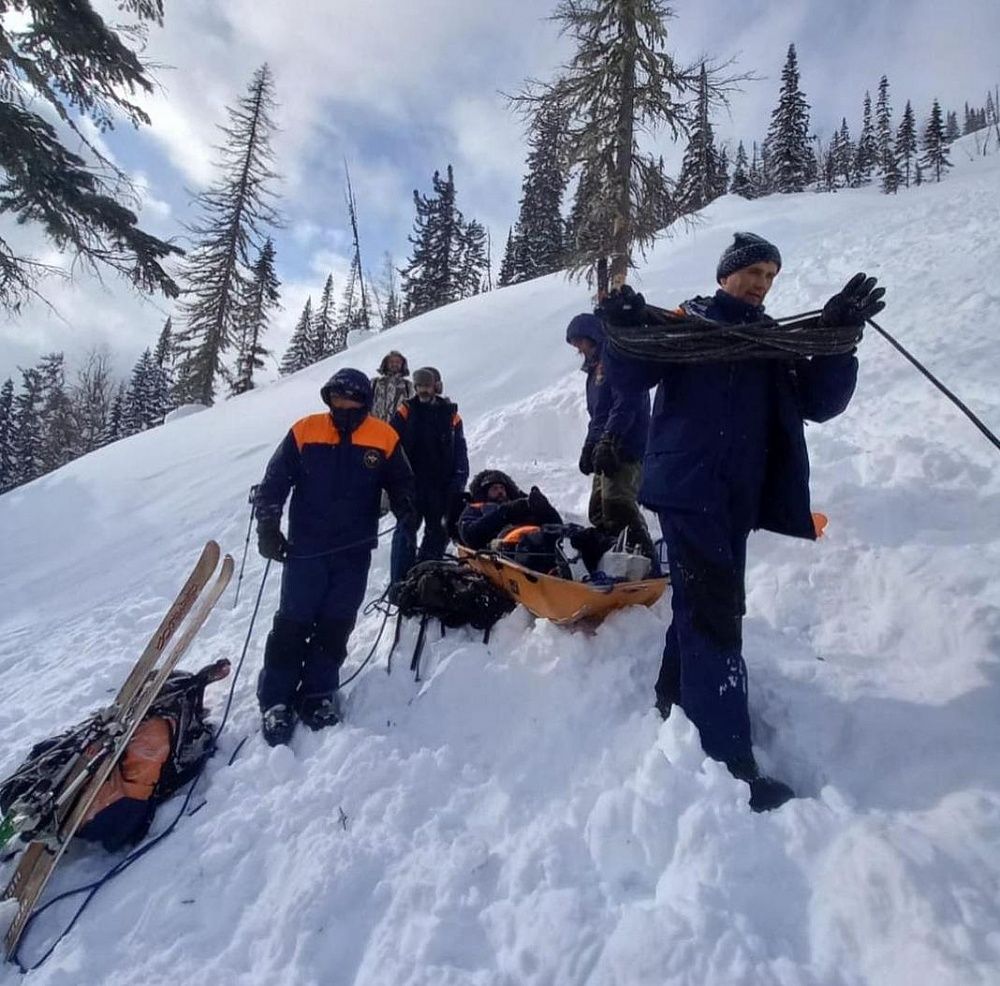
614	505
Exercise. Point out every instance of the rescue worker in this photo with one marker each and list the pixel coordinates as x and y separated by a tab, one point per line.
613	449
727	455
335	464
431	432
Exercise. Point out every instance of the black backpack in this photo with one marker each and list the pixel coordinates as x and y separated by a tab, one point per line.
452	593
180	704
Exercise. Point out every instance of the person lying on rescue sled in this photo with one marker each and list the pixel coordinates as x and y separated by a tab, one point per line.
430	429
501	516
613	449
335	464
727	455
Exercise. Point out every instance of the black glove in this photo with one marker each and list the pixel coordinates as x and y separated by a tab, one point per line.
607	456
623	306
587	459
541	510
858	301
517	511
271	543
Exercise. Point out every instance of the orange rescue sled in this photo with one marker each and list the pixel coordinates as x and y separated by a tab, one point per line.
561	600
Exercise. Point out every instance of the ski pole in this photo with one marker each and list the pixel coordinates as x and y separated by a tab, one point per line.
246	544
937	383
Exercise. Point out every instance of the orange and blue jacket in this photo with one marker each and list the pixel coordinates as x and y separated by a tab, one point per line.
335	464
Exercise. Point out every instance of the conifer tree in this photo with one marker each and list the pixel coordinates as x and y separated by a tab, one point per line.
951	131
620	79
844	156
26	438
507	265
740	184
62	61
967	126
699	180
936	153
906	143
117	428
473	265
138	411
261	300
162	372
918	175
324	326
883	131
234	215
58	428
790	158
758	176
540	229
7	435
429	277
363	314
301	347
866	156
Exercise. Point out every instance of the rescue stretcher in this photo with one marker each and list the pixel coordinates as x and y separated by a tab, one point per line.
562	601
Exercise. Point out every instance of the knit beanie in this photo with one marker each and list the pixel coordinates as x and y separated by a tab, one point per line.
424	377
746	249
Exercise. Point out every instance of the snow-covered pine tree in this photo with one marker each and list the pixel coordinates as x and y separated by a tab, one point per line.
867	152
620	78
59	442
351	305
117	427
906	143
883	131
699	181
260	301
951	131
935	146
324	325
507	265
740	183
235	213
138	412
473	265
161	373
301	347
428	278
26	439
6	435
758	174
789	154
722	172
362	316
844	155
540	229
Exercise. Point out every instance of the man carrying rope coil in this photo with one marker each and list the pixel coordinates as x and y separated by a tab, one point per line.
727	455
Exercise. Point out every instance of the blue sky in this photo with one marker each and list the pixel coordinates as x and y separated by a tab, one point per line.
401	88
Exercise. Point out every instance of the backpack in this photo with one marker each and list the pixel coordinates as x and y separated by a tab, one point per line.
452	593
169	747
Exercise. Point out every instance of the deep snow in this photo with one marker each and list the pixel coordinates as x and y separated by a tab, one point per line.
522	817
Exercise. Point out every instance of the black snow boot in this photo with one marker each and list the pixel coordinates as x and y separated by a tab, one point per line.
766	793
318	713
278	725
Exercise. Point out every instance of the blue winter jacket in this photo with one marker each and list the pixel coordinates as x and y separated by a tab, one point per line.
733	426
336	475
627	421
433	436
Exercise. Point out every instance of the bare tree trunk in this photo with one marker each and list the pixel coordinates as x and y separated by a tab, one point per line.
621	234
602	279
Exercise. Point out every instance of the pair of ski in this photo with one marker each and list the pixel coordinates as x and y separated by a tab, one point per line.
80	783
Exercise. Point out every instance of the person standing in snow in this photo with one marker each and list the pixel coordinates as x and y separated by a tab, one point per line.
431	432
335	464
615	443
391	386
727	455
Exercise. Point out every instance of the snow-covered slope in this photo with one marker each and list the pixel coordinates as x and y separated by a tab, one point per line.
522	817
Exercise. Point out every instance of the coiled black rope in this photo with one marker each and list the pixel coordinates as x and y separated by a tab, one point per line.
691	339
